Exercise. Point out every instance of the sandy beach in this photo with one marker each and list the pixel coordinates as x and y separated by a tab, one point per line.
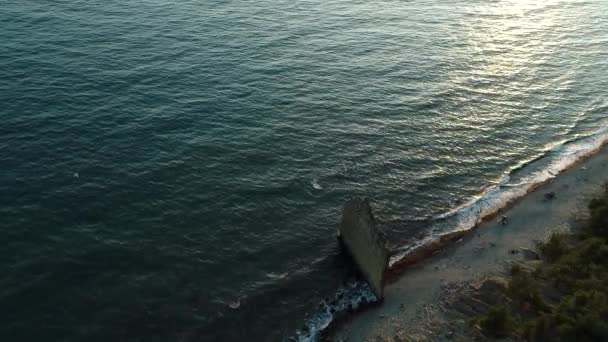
413	308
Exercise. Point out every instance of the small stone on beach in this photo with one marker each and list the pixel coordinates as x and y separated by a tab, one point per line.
529	254
503	220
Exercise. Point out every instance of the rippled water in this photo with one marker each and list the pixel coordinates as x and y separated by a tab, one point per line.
174	170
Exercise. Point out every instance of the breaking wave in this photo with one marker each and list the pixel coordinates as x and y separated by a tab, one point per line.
348	298
516	183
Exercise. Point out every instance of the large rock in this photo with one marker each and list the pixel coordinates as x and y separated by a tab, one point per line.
529	254
365	243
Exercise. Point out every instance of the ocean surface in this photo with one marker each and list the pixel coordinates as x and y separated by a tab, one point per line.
175	170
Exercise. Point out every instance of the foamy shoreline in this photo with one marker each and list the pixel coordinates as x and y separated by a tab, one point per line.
417	277
461	222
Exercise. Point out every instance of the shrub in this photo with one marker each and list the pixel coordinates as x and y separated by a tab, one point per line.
598	221
555	247
539	330
593	250
583	316
577	269
498	322
525	289
585	260
516	269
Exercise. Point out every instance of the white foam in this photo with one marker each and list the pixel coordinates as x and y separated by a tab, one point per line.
497	196
555	159
235	304
351	296
316	185
273	275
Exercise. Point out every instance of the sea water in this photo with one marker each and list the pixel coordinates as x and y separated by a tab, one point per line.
174	170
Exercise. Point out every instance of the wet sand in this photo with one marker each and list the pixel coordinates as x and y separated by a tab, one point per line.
413	300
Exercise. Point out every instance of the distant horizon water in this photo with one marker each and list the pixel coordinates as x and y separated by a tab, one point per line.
175	171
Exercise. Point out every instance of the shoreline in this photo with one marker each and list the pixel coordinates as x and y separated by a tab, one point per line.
414	282
427	250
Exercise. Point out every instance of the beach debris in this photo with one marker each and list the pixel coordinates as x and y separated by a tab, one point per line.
503	220
549	196
234	304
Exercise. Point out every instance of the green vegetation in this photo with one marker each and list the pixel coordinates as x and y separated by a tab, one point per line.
564	298
555	247
525	289
498	322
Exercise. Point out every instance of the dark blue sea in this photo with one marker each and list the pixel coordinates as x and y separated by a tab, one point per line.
175	170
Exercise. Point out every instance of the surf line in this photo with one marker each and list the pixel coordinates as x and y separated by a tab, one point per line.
359	296
402	258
